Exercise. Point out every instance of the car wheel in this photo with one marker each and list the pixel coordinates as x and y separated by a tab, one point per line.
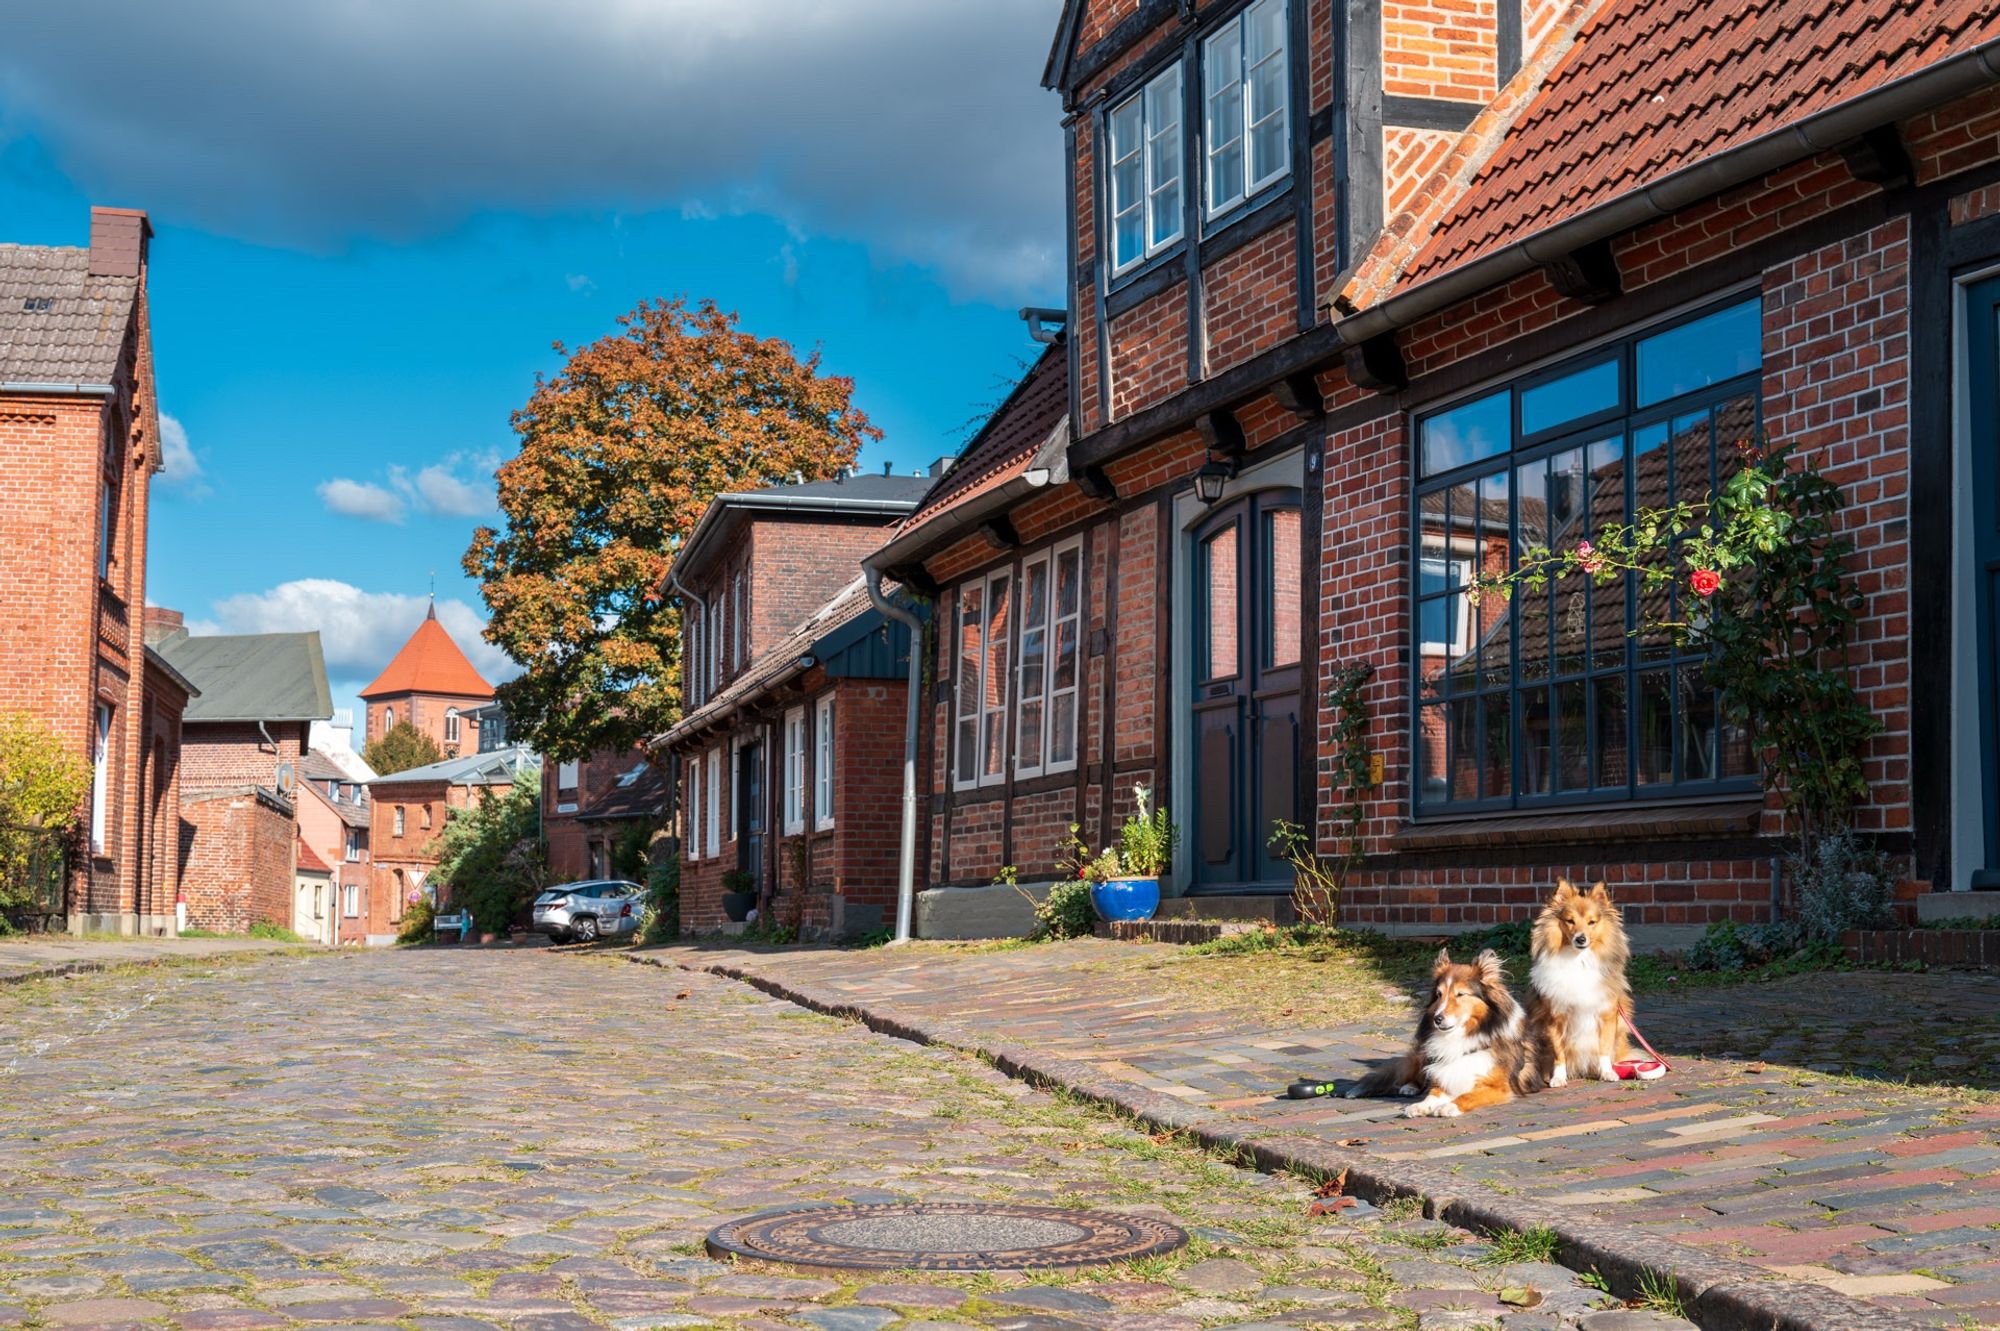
586	930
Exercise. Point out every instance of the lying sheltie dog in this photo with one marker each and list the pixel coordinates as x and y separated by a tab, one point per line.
1473	1047
1578	1000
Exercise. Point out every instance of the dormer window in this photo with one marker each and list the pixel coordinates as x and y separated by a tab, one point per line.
1246	93
1146	166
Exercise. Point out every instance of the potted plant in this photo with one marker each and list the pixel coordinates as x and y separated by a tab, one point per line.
1125	880
738	896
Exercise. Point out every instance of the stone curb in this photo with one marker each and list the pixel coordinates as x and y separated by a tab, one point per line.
1721	1294
57	969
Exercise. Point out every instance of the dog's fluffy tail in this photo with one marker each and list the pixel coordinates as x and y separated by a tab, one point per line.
1388	1078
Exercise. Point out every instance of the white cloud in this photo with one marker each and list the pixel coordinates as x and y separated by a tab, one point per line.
359	630
437	490
917	127
179	467
361	499
580	283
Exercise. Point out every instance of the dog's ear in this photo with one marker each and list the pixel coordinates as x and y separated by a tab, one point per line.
1601	894
1565	889
1443	962
1491	969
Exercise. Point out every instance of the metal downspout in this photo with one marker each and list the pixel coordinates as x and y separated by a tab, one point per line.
906	864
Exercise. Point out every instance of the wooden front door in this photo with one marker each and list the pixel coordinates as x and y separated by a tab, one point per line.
750	813
1246	615
1982	379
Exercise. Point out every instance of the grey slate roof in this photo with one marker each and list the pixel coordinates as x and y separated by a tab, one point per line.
878	497
501	767
252	676
79	338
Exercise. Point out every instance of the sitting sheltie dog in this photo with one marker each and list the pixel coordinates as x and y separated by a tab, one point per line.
1578	1000
1473	1046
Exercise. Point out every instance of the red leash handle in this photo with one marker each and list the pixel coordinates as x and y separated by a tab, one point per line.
1634	1031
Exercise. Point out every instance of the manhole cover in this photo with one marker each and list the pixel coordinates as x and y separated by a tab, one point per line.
943	1236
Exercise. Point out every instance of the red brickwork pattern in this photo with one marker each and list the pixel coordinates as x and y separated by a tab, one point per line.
1439	48
1251	298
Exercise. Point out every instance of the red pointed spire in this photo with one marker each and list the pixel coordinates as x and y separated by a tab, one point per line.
430	662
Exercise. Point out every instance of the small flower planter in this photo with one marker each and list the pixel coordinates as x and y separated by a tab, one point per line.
738	905
1126	898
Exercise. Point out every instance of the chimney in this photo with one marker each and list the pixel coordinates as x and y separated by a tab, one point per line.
118	239
938	467
888	468
162	623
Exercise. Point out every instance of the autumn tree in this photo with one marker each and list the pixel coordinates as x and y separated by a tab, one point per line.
620	453
399	748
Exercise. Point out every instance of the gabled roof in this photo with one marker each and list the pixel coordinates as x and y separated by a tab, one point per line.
881	495
1640	114
251	676
639	792
847	617
309	862
501	767
1023	445
430	662
319	765
78	336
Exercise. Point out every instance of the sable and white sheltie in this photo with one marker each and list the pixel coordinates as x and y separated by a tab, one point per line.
1473	1047
1578	1000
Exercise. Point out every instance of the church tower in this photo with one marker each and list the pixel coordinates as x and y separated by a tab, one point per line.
431	686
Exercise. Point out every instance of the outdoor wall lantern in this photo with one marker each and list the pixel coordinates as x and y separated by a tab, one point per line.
1213	476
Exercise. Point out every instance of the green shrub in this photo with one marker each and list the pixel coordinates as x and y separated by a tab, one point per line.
1841	884
662	921
1066	911
276	933
417	922
490	856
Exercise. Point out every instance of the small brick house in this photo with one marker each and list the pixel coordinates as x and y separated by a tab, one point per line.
588	806
334	812
243	741
407	814
79	446
1357	306
431	685
788	755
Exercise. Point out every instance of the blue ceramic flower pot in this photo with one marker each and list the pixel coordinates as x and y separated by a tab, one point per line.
1126	898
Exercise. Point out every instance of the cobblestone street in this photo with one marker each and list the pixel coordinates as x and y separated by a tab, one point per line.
455	1141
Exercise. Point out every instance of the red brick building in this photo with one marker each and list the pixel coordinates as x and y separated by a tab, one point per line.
1356	306
242	745
788	756
588	806
429	684
333	813
407	815
79	445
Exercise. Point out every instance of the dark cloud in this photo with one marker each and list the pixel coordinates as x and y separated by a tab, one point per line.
915	126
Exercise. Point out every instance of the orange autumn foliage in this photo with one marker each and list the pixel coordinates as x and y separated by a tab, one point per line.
620	454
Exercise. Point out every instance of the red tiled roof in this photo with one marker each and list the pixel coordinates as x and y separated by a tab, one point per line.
430	662
1654	85
1007	442
310	862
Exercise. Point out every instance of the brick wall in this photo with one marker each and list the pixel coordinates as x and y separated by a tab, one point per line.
430	713
236	849
1441	49
1250	298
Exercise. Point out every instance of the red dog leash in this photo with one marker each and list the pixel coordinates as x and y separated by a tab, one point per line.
1630	1069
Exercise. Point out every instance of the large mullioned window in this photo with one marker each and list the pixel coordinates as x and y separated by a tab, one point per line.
1565	694
1246	98
1019	669
1146	170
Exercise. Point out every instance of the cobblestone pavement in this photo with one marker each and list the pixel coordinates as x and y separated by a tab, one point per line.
1758	1147
466	1140
36	954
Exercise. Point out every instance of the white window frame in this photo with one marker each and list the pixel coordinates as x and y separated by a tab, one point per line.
567	775
823	766
985	713
716	628
107	522
795	770
715	802
351	846
1164	90
694	810
1463	568
350	901
451	725
1051	630
399	823
100	782
1226	66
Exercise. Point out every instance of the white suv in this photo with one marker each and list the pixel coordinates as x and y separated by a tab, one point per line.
586	912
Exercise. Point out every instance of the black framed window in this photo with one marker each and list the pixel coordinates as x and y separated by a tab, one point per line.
1563	694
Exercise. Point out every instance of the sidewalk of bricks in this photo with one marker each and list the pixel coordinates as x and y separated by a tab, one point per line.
1764	1145
33	956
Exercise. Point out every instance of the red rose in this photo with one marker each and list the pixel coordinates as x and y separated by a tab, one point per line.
1704	581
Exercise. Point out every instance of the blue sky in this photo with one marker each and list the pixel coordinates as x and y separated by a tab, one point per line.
351	295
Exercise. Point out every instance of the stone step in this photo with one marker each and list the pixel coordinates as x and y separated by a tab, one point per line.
1276	907
1178	930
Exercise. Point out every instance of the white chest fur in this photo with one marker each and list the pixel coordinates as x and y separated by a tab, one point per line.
1572	983
1454	1066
